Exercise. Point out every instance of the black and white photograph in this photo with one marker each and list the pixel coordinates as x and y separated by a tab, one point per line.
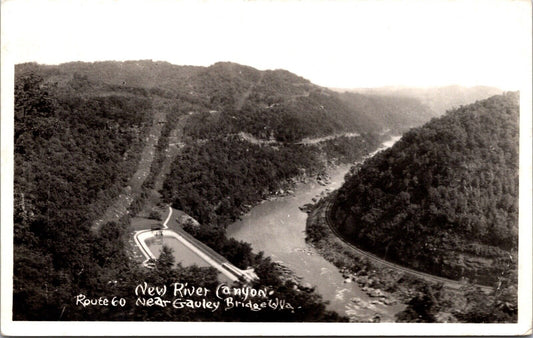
345	167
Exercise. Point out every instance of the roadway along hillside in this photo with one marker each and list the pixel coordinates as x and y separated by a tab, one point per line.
324	213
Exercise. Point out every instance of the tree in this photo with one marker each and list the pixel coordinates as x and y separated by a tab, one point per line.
420	309
31	103
166	259
154	215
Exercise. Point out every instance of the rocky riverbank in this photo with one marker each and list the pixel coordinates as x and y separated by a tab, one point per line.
380	287
383	285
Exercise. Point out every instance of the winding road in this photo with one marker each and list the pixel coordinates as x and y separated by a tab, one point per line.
326	215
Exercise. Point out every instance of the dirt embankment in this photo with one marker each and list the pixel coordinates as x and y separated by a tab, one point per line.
119	207
135	187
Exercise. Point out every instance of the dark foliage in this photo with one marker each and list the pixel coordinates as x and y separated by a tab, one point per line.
213	181
451	184
77	142
79	132
72	154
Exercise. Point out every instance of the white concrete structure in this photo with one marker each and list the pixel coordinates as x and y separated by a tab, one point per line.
223	266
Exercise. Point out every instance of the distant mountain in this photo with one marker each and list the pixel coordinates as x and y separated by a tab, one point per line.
266	101
398	112
443	199
143	74
438	99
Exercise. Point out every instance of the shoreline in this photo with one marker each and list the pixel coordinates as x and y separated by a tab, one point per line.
355	269
380	280
321	176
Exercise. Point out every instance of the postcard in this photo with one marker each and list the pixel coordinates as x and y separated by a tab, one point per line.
266	167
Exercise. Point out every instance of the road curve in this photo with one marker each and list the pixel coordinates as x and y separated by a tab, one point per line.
326	214
200	249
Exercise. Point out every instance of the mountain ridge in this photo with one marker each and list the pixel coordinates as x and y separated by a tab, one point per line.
231	87
438	98
451	181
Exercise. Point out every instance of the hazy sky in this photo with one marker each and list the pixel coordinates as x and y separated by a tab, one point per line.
332	43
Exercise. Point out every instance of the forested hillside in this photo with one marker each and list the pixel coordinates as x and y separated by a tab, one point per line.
271	97
80	132
77	144
74	150
443	199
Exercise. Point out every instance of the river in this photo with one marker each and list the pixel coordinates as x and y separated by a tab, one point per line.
277	227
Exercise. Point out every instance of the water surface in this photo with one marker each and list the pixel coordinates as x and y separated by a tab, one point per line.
182	254
277	228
